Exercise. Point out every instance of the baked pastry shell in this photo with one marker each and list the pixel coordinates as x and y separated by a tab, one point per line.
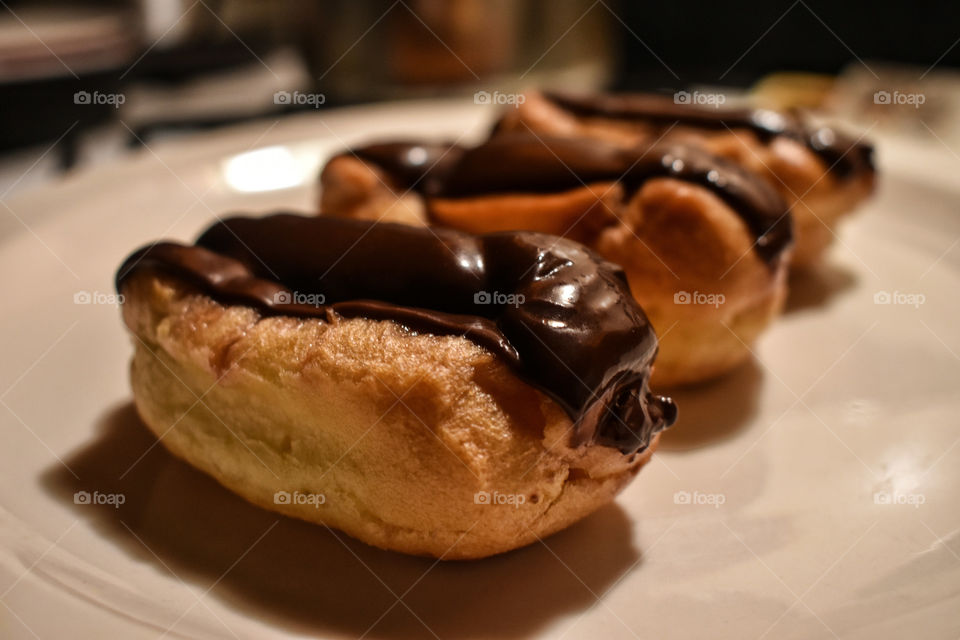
423	444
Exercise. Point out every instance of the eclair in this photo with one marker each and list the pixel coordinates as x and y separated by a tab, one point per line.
432	392
704	243
821	173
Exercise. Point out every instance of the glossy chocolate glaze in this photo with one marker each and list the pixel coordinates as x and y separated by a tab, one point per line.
843	155
573	329
524	163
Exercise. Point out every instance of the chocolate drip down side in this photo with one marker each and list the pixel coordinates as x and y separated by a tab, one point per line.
844	156
524	163
560	316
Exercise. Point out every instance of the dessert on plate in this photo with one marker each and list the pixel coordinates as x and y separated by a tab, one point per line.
428	391
821	173
704	243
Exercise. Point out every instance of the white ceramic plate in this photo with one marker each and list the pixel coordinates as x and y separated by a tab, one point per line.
813	493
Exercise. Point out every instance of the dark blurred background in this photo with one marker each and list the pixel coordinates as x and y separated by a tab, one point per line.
702	40
156	67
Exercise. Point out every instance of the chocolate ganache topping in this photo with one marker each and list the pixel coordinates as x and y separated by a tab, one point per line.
524	163
559	315
844	156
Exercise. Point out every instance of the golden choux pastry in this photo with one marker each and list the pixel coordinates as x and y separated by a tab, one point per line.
430	392
821	173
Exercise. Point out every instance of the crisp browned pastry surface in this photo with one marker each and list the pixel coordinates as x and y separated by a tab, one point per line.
403	434
819	197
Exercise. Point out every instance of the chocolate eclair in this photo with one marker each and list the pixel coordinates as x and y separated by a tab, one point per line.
427	391
822	173
704	243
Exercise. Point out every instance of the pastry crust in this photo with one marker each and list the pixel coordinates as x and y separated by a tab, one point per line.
818	197
403	434
689	257
691	266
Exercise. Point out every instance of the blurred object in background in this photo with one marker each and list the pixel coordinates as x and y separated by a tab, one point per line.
376	49
216	97
450	42
180	65
49	52
793	90
901	100
211	63
94	75
380	49
917	104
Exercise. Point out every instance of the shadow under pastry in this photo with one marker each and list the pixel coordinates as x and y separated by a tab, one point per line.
307	578
815	286
715	410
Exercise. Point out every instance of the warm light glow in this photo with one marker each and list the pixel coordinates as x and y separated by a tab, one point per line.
266	169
